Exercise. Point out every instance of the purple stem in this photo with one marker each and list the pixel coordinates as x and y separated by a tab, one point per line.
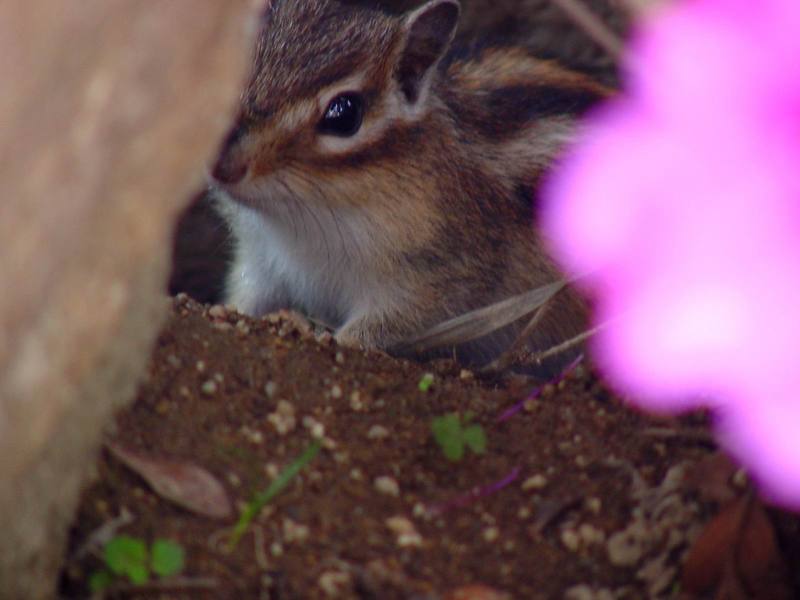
517	408
475	494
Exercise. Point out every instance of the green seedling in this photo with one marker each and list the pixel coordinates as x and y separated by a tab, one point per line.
426	382
276	487
455	435
166	558
129	557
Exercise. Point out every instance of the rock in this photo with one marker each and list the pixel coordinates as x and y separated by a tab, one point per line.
110	110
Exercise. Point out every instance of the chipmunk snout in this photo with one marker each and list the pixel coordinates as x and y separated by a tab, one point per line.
230	167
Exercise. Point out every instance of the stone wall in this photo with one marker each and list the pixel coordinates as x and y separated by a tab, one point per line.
109	110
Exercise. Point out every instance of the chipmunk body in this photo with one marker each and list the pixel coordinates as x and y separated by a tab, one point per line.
381	182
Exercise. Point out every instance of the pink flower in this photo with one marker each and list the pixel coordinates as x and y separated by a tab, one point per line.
682	202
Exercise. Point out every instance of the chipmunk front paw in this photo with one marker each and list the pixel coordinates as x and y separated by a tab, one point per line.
350	337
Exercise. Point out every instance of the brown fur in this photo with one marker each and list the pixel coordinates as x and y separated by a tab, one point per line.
444	188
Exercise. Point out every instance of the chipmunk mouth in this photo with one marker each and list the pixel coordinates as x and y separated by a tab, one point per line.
263	195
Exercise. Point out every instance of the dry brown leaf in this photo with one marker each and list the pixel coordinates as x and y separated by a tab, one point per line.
737	556
702	570
183	483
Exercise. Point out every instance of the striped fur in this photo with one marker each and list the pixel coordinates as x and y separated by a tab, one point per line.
426	212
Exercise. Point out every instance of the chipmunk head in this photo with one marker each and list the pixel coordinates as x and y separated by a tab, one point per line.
335	84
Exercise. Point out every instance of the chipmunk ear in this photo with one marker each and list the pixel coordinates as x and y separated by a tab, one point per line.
429	31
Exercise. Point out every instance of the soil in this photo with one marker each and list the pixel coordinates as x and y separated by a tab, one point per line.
576	496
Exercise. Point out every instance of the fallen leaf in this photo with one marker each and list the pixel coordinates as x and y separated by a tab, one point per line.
737	556
183	483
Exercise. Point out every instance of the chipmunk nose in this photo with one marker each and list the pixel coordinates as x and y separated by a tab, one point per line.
228	171
230	167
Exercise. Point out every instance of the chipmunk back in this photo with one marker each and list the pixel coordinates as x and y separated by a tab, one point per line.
381	182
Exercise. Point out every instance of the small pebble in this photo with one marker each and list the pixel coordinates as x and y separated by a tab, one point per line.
625	548
339	358
336	392
490	534
294	532
209	388
335	583
406	532
579	592
270	389
530	405
571	539
283	419
200	366
356	404
377	432
586	592
594	505
314	427
253	435
387	485
536	482
242	327
591	535
466	375
218	312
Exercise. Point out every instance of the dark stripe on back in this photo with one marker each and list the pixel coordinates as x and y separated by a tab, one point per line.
504	112
525	195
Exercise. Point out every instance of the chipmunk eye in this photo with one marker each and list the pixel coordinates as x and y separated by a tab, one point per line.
343	115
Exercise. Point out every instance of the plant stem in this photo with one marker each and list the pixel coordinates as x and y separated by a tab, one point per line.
276	487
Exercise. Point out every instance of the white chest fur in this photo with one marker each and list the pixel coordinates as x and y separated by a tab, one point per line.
320	262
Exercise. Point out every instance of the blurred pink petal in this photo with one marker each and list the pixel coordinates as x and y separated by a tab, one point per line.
683	204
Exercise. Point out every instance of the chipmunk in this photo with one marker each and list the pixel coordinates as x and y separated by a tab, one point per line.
381	181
